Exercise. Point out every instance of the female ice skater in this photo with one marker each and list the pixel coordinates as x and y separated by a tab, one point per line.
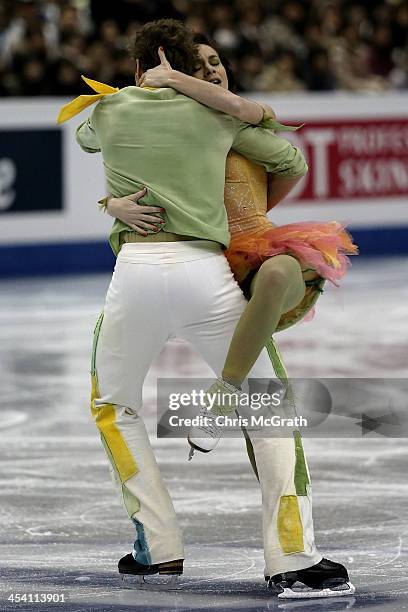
273	265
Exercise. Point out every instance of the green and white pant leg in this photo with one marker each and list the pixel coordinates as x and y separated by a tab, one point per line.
281	468
136	473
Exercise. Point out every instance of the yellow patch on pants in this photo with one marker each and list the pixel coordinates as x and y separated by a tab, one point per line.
104	417
290	525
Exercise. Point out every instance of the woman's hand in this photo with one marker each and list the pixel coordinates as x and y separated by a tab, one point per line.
138	217
159	76
268	112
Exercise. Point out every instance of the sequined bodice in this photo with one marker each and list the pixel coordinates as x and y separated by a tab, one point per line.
245	196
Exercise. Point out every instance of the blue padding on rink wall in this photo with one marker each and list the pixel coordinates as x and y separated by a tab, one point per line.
54	259
86	257
381	241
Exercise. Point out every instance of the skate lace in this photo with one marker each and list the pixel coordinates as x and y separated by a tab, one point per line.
211	428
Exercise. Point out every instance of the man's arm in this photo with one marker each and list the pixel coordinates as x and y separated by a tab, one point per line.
277	155
86	136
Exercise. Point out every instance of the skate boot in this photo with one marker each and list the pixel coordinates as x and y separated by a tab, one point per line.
205	437
325	579
171	570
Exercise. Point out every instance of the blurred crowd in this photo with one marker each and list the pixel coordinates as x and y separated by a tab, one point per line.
273	45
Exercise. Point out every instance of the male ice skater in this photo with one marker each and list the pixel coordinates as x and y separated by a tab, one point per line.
179	283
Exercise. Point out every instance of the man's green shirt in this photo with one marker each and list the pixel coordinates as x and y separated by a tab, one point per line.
177	148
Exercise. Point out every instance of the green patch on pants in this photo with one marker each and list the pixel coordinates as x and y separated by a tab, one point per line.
301	475
95	343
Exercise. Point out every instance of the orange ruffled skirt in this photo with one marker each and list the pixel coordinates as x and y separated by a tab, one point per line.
321	246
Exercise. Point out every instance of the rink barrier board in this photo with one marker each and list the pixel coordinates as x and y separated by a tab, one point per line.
356	146
93	257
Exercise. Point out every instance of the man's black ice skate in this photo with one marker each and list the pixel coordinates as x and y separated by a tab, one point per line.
325	579
171	570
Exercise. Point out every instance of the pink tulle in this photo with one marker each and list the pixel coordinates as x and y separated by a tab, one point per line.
321	246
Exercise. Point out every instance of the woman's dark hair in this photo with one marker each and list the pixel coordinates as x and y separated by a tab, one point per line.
203	39
173	36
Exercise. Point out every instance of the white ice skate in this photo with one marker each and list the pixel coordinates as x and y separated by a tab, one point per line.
205	437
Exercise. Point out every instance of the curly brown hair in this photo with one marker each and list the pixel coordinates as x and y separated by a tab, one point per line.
170	34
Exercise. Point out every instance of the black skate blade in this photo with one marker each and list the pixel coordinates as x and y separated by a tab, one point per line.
156	582
299	591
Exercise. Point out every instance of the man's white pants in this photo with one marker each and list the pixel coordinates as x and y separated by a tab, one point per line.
184	289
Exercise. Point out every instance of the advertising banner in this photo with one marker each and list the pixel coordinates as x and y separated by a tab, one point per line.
31	170
351	159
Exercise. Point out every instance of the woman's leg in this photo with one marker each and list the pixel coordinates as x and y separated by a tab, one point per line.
277	287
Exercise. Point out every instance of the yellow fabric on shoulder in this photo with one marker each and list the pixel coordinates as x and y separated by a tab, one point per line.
81	102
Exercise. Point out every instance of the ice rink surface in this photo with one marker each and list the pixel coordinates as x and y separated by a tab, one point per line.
63	527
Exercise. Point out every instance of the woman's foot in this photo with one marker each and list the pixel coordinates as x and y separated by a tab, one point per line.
222	400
